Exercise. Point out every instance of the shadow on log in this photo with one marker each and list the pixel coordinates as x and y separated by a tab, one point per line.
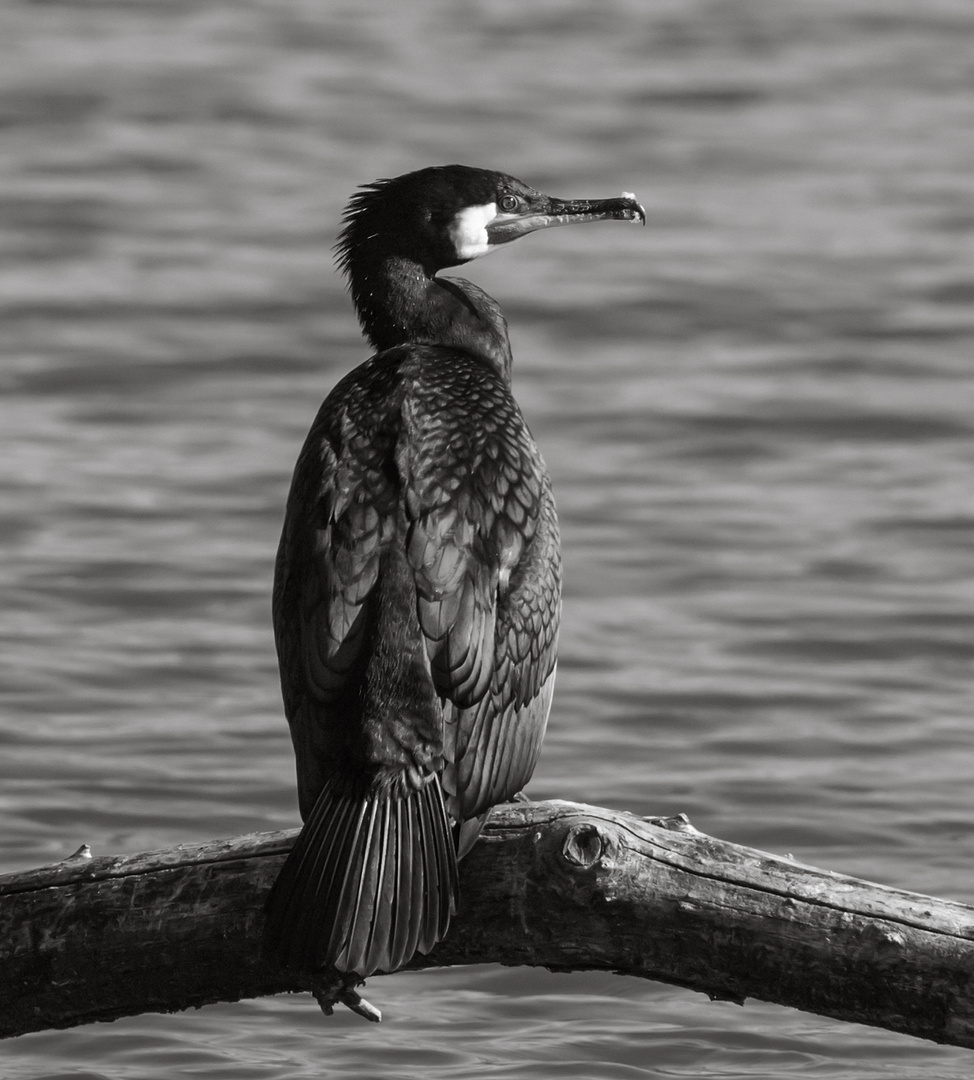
554	884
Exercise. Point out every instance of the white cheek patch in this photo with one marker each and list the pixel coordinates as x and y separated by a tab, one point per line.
468	230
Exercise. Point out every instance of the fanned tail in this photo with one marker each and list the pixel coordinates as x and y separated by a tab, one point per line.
371	880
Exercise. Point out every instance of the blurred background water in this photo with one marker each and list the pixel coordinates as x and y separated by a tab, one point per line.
758	412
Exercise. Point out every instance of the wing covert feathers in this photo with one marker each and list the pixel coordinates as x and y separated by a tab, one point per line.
371	880
416	608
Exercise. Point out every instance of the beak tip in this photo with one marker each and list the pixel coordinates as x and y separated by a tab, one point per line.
639	214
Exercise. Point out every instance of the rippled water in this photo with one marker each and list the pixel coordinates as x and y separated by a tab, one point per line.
758	415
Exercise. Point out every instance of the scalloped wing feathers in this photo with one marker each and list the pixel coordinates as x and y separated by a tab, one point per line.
416	609
447	471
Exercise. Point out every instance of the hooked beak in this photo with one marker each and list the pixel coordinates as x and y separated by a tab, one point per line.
547	212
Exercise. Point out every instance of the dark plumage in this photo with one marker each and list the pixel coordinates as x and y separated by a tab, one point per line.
417	591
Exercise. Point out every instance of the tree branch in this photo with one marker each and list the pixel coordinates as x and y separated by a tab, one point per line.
553	884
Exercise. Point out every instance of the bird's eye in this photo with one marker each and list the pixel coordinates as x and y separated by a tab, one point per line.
509	202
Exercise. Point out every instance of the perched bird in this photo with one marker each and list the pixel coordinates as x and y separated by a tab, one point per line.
417	591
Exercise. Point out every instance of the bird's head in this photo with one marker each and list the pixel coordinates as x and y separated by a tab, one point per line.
449	214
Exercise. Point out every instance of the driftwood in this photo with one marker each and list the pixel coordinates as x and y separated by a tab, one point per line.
554	884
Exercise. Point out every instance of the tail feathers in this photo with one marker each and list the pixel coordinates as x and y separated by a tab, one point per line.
371	880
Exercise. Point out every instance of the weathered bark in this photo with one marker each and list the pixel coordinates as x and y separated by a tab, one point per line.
553	884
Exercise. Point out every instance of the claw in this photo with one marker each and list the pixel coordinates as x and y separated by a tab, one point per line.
354	1001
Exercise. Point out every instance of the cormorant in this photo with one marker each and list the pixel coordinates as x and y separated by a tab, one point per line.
417	590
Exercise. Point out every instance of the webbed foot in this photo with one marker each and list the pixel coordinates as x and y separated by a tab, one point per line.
336	988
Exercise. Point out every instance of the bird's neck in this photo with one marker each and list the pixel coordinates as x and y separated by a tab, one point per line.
400	303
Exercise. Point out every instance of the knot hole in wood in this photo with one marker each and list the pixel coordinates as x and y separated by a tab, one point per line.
584	845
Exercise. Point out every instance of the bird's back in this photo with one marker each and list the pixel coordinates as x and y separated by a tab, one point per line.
416	609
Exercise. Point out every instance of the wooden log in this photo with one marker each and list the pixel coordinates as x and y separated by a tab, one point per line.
553	884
